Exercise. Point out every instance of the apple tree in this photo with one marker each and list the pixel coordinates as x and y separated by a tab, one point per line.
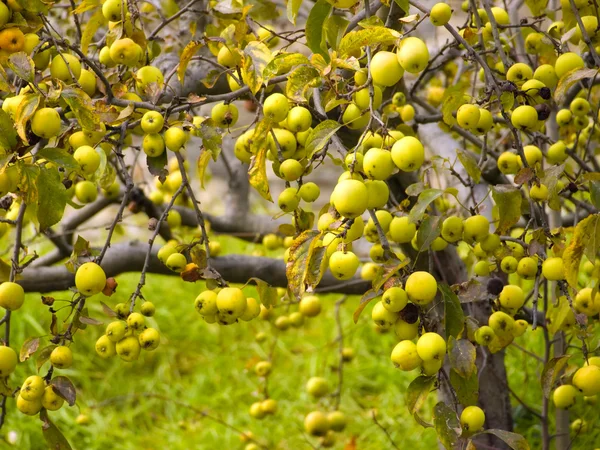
437	160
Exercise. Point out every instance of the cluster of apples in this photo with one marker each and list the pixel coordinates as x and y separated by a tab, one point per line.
129	336
323	424
584	381
226	305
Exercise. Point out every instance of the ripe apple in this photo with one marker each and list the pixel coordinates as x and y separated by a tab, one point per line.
61	357
86	191
8	360
288	200
385	69
421	287
309	192
88	159
175	138
362	98
287	143
276	107
316	423
299	119
317	387
383	317
152	122
12	297
225	115
431	346
568	62
519	73
472	419
343	265
565	396
509	163
128	348
60	68
30	408
350	198
32	388
149	339
46	123
408	154
394	299
51	400
527	268
125	51
511	297
413	54
12	40
231	301
153	145
310	306
524	117
112	10
337	420
253	310
501	323
105	347
228	57
5	14
587	380
90	279
354	118
87	81
468	116
405	356
440	14
377	164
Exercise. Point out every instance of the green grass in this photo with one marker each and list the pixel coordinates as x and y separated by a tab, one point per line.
209	368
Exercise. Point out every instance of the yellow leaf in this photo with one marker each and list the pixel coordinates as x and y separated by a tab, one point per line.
186	56
91	26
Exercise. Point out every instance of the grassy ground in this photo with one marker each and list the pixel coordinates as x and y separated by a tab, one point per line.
154	402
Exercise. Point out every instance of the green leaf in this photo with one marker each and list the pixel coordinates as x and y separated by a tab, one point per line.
59	156
266	293
54	438
283	63
28	348
358	39
388	270
425	198
202	165
550	180
52	198
186	56
507	100
447	425
470	164
335	28
92	24
551	372
28	181
454	316
586	239
404	5
315	25
64	388
569	79
370	22
304	253
300	81
256	57
461	354
25	111
257	172
515	441
428	231
34	6
23	66
508	199
454	97
8	134
467	389
417	392
157	166
320	136
594	187
80	249
212	138
293	6
537	7
364	301
81	105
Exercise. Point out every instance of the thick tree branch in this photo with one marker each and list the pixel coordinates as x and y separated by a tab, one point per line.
130	257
